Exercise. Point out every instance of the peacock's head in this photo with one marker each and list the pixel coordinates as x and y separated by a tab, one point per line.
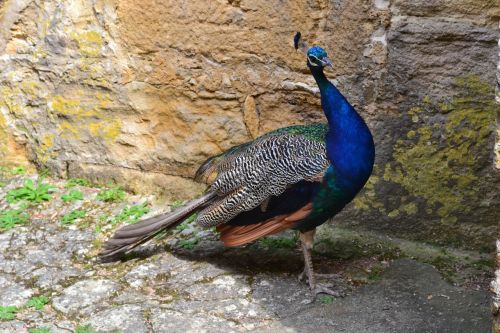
317	57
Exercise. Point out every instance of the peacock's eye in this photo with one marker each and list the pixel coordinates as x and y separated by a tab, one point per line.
313	60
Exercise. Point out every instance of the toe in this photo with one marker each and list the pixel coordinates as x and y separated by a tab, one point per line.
320	289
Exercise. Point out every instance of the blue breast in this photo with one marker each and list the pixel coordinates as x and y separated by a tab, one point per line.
350	149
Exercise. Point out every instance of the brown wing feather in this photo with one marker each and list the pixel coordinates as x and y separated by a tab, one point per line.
236	235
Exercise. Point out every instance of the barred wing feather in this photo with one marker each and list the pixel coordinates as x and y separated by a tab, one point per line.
249	174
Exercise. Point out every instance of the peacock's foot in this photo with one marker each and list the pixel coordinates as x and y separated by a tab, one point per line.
321	289
318	288
308	272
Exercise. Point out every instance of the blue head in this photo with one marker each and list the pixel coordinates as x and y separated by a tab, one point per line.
317	57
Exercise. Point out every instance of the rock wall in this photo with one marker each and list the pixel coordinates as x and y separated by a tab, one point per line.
141	92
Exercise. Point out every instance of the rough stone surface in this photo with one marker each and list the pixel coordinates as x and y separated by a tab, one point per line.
188	282
166	321
141	92
410	298
84	294
12	293
126	318
495	288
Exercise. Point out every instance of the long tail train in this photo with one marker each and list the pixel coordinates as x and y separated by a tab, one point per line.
131	236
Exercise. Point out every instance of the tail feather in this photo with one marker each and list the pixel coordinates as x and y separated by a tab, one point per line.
131	236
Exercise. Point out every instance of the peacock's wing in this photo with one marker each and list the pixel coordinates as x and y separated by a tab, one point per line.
248	175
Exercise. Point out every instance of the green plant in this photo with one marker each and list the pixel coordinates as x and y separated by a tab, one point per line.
77	181
185	224
70	217
37	302
182	226
188	244
131	214
375	273
72	195
191	218
176	204
325	299
30	192
2	184
8	312
279	242
11	217
40	330
485	263
44	172
84	329
112	194
100	221
20	170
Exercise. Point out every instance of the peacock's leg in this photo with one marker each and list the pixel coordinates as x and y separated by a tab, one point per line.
307	240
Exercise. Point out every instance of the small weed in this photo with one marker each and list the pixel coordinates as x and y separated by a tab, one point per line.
191	218
176	204
185	224
37	302
375	273
279	242
485	263
84	329
73	215
72	195
446	265
2	184
45	172
112	194
30	192
40	330
131	214
100	221
12	217
325	299
77	181
182	226
8	312
188	244
20	170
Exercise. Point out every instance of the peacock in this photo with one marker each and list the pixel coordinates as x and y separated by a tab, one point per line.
295	177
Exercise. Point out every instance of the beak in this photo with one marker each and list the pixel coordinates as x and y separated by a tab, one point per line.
326	62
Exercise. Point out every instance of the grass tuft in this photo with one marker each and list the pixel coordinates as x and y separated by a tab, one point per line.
37	302
8	312
30	192
131	214
113	194
325	299
73	215
40	330
12	217
77	181
188	244
84	329
72	196
279	242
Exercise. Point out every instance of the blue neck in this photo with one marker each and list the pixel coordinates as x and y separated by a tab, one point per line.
349	143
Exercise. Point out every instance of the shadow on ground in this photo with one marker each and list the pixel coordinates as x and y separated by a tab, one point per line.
50	281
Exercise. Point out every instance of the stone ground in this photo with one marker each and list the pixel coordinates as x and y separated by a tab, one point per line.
188	282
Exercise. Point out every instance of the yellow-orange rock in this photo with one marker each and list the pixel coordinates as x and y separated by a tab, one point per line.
141	92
